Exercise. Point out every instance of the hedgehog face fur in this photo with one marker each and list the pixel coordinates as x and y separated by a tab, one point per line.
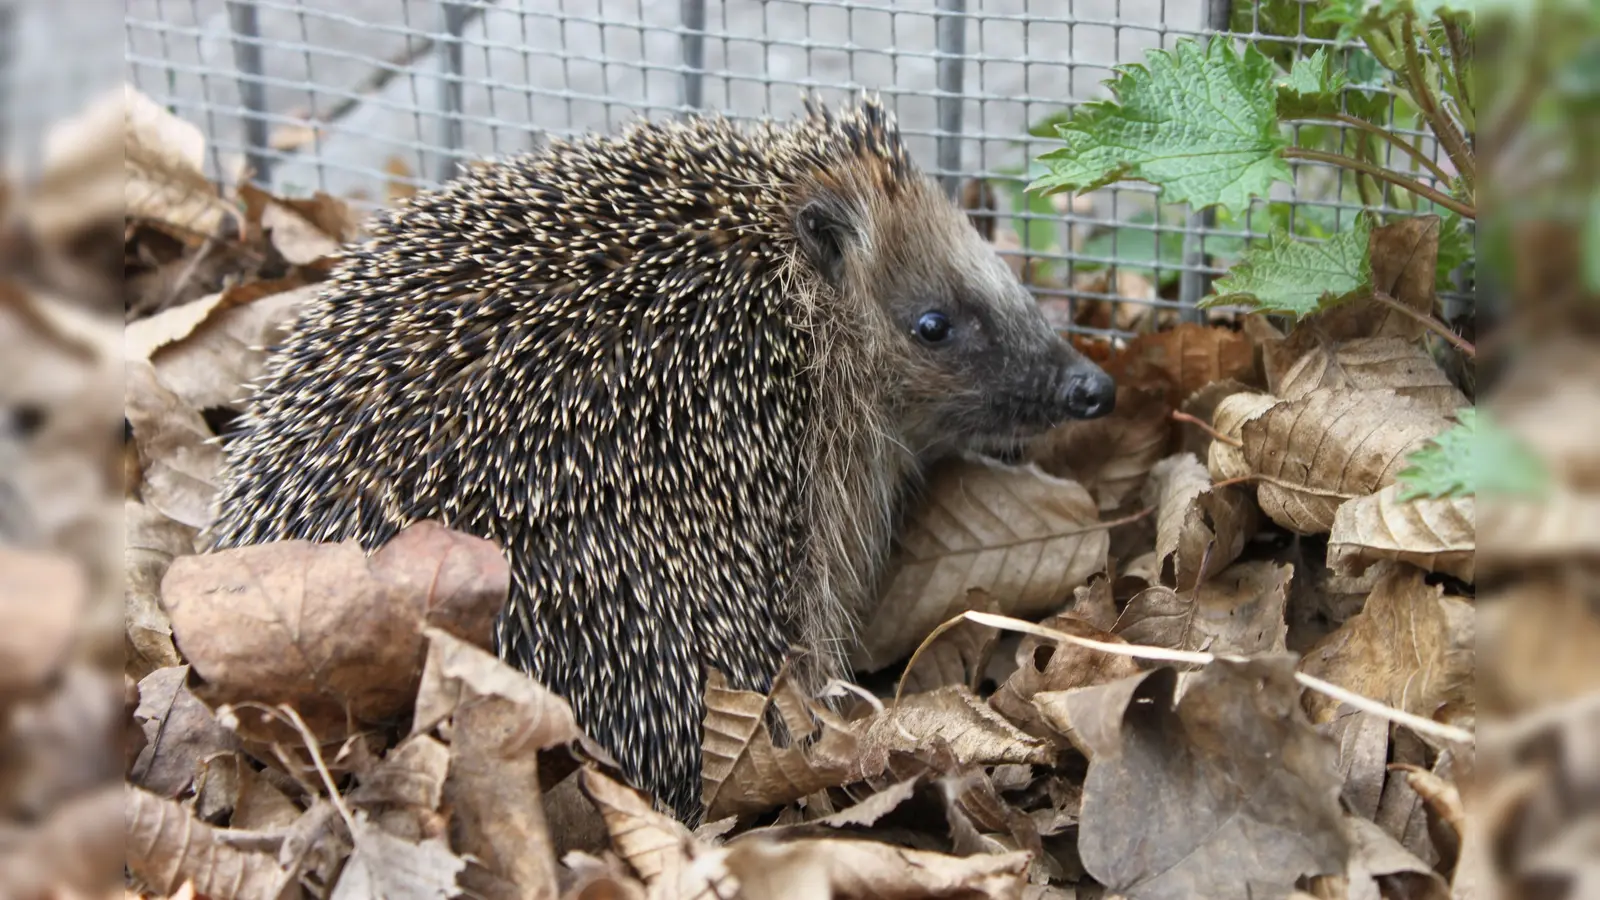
683	376
977	364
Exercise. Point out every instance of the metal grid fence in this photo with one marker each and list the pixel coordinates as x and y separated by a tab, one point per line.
352	96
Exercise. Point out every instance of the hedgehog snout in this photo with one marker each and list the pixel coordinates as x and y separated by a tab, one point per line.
1087	392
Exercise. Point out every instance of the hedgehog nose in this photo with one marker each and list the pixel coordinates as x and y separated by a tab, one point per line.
1089	395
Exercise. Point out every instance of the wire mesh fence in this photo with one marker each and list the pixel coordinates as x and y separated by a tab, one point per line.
354	97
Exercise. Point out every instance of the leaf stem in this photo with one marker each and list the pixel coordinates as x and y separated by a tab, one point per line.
1430	323
1444	128
1382	174
1460	57
1387	135
1203	425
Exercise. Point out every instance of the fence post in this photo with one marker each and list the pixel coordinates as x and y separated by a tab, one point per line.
453	22
252	93
1194	284
691	90
950	33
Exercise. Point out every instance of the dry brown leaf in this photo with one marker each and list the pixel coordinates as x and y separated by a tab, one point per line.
1230	793
1024	537
261	806
326	628
744	770
300	241
1197	525
1378	860
1405	260
166	169
960	655
1190	355
1363	741
1110	456
167	847
1368	364
209	351
180	733
975	734
837	869
1049	666
1313	454
1436	534
182	466
1226	459
1239	612
1411	647
151	544
42	596
1202	405
500	720
664	853
384	865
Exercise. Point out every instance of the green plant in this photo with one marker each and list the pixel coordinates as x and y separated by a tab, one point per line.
1211	126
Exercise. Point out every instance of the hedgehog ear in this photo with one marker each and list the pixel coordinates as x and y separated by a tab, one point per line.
823	230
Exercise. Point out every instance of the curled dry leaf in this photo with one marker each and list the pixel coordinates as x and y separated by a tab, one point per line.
1405	260
1230	793
1239	612
975	734
500	720
182	465
165	167
1110	456
209	351
1044	666
744	768
152	542
1202	405
180	733
405	790
1024	537
1411	647
1367	364
1196	525
829	868
1226	459
167	847
666	855
326	628
1436	534
1313	454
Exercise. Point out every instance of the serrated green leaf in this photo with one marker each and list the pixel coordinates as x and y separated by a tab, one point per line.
1200	122
1455	248
1311	88
1351	15
1298	278
1474	457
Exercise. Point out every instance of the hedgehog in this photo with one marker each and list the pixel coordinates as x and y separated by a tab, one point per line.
687	376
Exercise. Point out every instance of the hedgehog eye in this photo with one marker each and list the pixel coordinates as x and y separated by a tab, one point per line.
933	327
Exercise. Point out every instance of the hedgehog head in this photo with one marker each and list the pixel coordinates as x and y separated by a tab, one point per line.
970	360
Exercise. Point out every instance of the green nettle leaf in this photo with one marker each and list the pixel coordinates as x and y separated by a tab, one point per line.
1455	247
1298	278
1200	122
1311	88
1352	15
1475	457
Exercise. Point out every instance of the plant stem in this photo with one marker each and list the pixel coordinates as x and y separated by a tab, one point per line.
1460	58
1379	131
1395	178
1203	425
1430	323
1444	128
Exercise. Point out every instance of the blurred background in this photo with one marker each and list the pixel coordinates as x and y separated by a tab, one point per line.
367	100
